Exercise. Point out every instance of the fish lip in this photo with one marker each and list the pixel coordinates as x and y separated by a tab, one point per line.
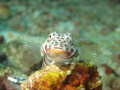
57	50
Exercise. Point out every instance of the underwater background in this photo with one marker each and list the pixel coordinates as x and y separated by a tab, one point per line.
91	22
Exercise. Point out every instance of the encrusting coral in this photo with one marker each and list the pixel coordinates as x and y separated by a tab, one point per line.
77	76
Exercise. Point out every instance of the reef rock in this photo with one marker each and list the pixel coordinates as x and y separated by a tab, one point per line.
77	76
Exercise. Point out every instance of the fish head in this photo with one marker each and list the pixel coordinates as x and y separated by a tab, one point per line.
59	45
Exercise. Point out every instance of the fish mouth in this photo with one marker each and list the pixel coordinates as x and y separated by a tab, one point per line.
57	50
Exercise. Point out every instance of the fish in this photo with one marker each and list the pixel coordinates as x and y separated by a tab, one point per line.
59	49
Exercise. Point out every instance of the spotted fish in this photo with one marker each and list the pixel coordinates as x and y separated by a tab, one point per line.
58	49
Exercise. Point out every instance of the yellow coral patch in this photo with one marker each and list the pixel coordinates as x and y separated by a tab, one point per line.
52	80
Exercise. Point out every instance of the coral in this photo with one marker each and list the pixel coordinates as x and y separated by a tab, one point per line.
46	79
52	81
78	76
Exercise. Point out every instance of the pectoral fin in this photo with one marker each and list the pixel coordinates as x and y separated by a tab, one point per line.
30	54
91	53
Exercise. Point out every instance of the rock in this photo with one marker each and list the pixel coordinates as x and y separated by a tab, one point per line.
83	76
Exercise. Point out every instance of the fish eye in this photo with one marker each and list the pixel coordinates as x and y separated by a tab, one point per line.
50	36
69	39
